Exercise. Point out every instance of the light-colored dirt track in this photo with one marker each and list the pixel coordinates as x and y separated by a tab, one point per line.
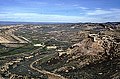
49	74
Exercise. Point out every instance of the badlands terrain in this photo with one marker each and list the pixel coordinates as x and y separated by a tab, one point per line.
60	51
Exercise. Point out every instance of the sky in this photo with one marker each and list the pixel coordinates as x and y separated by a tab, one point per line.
60	10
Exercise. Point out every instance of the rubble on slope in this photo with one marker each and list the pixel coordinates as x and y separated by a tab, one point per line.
94	49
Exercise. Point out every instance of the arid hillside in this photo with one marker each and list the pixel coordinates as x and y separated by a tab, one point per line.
8	38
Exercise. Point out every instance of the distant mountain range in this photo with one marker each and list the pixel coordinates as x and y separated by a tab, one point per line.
12	23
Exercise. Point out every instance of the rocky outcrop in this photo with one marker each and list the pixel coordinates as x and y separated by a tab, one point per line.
94	49
8	39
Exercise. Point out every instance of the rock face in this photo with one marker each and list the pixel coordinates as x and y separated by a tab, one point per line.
8	39
94	49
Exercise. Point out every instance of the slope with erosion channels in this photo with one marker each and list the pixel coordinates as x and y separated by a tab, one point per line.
8	39
96	56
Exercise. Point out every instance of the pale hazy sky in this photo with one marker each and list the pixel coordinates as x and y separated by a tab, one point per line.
60	10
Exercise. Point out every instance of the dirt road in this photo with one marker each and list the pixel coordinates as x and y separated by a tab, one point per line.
49	74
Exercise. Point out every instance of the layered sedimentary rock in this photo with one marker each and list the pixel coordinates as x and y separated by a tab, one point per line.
8	39
94	49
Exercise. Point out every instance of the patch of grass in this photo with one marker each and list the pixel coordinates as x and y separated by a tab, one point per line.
12	51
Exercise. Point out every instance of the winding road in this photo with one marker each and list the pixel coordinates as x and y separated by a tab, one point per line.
49	74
